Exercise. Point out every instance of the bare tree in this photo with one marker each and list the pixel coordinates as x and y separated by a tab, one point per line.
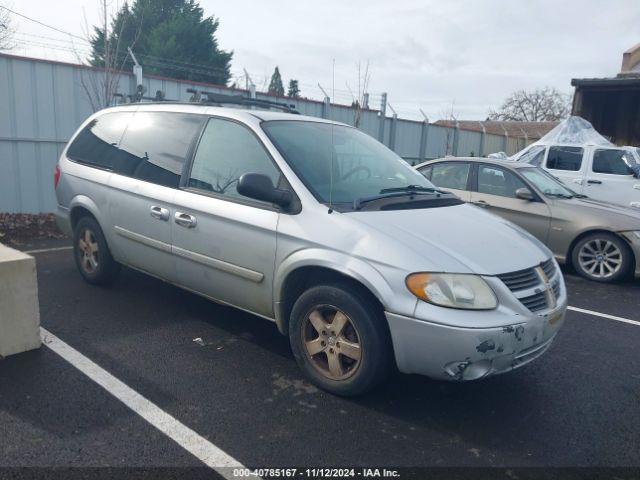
359	102
100	86
543	104
6	29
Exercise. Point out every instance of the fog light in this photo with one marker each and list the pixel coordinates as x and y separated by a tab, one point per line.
468	370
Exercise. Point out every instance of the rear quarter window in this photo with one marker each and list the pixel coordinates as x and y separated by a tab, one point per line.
155	146
97	143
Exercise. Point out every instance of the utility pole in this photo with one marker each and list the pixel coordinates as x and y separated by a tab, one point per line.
326	105
424	138
383	117
250	86
107	82
392	130
137	68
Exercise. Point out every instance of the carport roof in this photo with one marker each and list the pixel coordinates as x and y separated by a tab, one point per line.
623	80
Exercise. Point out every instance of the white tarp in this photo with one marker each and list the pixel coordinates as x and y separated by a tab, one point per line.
574	131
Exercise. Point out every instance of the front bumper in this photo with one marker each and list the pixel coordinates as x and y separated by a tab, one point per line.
634	243
460	353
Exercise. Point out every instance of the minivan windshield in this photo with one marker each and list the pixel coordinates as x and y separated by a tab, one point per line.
546	183
342	165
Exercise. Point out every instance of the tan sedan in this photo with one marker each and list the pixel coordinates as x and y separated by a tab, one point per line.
600	240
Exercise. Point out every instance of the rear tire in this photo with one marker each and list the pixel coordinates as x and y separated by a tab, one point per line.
340	340
91	253
602	257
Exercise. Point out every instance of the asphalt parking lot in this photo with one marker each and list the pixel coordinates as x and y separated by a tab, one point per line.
240	389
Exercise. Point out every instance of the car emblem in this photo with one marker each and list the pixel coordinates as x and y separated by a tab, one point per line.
548	288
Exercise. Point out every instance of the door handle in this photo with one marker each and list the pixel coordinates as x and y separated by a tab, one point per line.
159	213
185	220
577	180
596	182
481	203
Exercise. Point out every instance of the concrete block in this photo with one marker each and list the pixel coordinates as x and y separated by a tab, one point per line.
19	309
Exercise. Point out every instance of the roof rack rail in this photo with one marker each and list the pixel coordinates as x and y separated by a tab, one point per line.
213	98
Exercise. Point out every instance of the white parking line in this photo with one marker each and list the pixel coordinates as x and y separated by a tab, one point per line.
604	315
44	250
193	443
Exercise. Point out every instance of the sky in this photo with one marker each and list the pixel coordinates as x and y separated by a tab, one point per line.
447	56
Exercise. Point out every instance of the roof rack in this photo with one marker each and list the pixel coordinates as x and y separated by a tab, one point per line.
219	99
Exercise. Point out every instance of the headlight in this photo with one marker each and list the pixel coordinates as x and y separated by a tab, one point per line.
469	292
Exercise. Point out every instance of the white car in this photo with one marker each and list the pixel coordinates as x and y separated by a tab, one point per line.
607	173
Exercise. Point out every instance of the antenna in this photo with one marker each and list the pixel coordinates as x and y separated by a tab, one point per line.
333	150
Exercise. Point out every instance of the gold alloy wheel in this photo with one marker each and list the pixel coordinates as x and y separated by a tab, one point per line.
88	251
331	342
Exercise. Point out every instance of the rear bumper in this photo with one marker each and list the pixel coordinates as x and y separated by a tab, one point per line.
63	220
459	353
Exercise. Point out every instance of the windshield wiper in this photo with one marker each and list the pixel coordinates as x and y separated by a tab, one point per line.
412	188
391	193
559	195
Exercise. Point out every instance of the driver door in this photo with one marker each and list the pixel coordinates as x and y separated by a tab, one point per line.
495	191
225	244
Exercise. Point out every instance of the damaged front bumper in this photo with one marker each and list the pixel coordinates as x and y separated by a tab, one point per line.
453	352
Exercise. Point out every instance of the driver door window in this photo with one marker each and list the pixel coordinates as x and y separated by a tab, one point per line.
496	181
611	162
227	150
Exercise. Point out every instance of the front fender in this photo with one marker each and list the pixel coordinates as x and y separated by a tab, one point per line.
389	288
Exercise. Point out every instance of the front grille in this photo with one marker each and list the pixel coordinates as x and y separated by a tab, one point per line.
520	280
535	302
530	285
548	267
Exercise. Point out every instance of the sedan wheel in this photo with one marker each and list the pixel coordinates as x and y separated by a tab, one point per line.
602	257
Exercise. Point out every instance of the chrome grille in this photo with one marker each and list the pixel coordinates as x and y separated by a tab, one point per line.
520	280
535	302
548	267
529	285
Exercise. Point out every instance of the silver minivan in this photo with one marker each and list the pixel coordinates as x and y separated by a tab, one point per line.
314	225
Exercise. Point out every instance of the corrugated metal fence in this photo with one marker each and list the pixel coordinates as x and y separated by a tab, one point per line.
42	103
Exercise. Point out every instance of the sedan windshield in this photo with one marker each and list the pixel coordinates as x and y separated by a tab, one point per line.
342	165
546	183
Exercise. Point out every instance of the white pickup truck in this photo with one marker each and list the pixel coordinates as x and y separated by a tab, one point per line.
606	173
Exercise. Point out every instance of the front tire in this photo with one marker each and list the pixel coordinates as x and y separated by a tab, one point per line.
602	257
339	339
92	255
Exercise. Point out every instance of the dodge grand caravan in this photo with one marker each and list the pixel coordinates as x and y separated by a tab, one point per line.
363	263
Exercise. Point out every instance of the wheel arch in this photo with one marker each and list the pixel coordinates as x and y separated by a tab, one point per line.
294	277
586	233
81	206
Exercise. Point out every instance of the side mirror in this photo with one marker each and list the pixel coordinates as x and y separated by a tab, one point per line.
260	187
524	194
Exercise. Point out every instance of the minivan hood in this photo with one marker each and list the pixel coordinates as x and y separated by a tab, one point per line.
459	239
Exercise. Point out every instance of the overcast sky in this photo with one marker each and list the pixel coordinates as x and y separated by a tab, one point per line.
435	55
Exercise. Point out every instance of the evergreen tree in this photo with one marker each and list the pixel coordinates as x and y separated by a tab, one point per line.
169	37
293	90
275	86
